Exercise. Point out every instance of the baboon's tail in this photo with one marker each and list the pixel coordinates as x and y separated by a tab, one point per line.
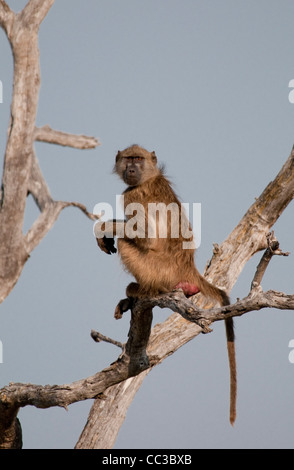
233	367
221	296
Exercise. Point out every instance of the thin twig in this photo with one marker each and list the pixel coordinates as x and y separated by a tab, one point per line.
98	337
83	208
273	248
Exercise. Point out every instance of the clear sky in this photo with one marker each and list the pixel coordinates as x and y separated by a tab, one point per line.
204	83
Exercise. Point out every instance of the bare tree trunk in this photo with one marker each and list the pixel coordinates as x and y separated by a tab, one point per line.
108	414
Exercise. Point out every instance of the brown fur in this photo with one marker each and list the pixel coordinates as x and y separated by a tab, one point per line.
161	264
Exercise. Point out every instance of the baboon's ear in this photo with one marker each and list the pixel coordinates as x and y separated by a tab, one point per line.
154	157
117	155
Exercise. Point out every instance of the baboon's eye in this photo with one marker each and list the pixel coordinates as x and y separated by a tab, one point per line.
138	159
135	159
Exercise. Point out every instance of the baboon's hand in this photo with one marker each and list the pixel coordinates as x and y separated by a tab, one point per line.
123	306
106	244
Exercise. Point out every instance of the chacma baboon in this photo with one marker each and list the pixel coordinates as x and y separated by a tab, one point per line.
153	251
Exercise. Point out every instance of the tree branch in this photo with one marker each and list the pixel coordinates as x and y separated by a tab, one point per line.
82	208
256	299
98	337
6	17
34	13
49	208
46	134
47	219
133	361
10	429
97	434
272	249
249	236
42	225
37	185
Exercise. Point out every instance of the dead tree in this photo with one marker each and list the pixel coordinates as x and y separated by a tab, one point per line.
21	174
113	388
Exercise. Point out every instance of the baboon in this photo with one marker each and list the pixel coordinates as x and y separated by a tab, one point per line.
159	263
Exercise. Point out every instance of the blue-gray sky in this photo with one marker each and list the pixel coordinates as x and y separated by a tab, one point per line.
205	85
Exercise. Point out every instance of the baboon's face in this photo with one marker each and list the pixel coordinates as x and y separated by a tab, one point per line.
136	165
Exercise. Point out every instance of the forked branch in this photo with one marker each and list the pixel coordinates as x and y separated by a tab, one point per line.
34	13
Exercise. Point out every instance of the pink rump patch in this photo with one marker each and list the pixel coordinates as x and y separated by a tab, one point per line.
188	289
